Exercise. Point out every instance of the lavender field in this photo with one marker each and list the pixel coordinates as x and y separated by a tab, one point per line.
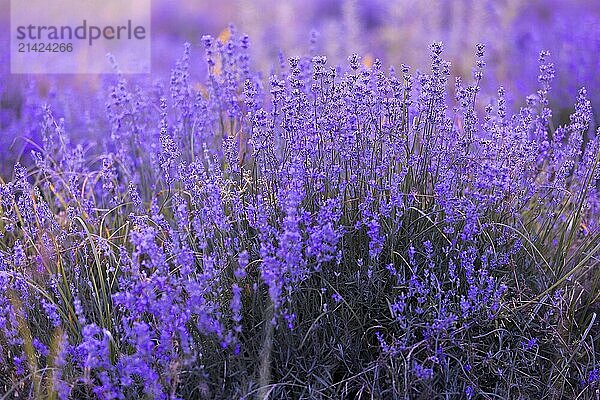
334	199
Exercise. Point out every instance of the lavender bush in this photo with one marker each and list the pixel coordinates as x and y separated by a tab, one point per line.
396	31
328	231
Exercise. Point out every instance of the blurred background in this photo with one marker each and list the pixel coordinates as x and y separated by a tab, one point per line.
396	31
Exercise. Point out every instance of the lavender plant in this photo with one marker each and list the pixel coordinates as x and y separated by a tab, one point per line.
345	231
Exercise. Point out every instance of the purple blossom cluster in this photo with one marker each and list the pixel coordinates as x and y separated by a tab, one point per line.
335	231
514	32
